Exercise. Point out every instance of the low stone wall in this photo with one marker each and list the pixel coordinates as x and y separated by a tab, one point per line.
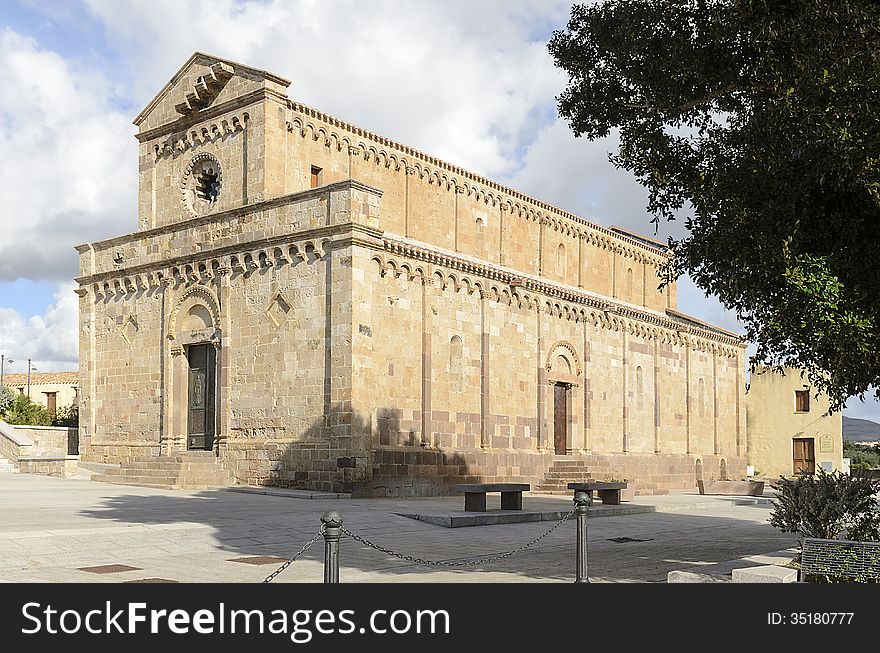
39	449
52	440
14	444
732	488
62	466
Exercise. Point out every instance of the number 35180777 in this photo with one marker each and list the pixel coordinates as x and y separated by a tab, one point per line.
809	618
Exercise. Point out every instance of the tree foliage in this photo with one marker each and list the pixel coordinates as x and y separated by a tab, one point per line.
24	412
861	456
6	397
757	120
66	416
826	504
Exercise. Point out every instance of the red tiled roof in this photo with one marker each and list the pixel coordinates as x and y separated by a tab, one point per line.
42	378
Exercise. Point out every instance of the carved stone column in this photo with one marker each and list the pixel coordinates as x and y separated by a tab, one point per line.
175	438
485	436
427	366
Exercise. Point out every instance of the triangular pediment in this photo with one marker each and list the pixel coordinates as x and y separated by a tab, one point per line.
202	82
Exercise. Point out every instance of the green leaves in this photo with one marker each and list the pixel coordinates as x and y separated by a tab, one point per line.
23	411
825	505
783	192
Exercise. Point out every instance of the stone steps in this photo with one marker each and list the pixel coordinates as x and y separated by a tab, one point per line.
191	471
561	473
7	466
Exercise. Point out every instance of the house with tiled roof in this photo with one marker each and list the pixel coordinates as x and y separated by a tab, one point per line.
53	390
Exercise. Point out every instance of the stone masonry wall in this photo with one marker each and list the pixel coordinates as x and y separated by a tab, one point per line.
454	371
278	312
446	207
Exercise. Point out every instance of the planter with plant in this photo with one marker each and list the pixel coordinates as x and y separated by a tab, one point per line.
828	505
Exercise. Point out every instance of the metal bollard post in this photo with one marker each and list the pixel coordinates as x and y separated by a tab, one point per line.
332	522
582	502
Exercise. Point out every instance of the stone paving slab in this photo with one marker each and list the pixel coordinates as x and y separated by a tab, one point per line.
49	527
287	492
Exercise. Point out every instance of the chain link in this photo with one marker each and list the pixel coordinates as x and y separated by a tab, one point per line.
457	563
271	576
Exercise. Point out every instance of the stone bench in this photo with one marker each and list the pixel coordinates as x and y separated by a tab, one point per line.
608	492
840	559
475	495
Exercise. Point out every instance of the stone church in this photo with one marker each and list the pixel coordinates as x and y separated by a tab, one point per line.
308	304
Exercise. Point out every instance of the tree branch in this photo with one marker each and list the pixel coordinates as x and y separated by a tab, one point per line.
687	106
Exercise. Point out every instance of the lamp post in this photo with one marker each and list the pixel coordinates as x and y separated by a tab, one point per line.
3	361
30	367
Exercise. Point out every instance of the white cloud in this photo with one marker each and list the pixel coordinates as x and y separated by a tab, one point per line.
575	174
50	340
68	161
457	79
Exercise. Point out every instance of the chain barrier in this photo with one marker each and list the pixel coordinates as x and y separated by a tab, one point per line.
457	563
305	548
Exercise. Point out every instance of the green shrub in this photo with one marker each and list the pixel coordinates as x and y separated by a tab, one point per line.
6	397
24	412
66	416
861	456
825	505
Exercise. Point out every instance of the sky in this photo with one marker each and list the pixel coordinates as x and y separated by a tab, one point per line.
469	82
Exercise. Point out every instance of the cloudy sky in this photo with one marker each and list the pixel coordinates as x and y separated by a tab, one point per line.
470	82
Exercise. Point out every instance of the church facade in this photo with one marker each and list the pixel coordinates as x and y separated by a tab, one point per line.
321	307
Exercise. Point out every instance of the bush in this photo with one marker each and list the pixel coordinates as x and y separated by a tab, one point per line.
6	397
24	412
861	456
826	505
67	416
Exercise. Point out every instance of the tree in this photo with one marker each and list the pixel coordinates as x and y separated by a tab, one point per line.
25	412
757	119
66	416
861	456
6	397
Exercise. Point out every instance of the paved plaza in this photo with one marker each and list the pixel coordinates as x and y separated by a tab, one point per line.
51	527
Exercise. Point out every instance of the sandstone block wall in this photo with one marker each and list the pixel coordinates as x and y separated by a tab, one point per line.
455	371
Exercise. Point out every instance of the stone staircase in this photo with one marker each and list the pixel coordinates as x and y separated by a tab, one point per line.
194	470
563	471
8	467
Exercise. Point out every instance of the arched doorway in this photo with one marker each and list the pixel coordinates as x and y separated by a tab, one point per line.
194	339
563	371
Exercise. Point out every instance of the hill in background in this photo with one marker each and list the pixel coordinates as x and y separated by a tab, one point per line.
860	430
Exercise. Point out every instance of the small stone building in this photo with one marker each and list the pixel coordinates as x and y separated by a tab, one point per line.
788	426
322	307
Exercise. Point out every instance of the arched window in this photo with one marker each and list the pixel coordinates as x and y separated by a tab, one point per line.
560	260
629	290
701	397
481	237
640	389
456	370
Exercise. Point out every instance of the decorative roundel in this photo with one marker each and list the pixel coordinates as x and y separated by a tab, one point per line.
201	184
